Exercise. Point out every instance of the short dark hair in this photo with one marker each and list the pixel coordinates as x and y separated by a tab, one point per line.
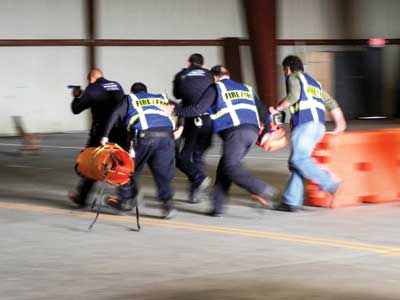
293	62
196	59
219	70
138	87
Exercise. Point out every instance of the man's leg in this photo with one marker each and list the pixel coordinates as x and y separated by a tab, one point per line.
294	194
126	193
220	189
302	160
85	185
83	190
184	159
304	139
204	140
162	165
236	145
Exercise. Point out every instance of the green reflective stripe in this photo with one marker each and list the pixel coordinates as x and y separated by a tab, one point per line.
132	121
173	123
310	99
256	111
133	100
220	113
142	117
295	108
171	119
226	110
316	92
229	106
309	104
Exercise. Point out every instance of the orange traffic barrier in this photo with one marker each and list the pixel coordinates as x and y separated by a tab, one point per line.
109	162
367	162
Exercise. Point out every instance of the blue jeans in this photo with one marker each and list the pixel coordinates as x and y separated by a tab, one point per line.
302	166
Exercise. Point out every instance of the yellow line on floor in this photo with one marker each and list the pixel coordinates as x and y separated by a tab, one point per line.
375	248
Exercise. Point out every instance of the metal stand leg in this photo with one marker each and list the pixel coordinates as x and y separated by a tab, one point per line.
137	217
96	199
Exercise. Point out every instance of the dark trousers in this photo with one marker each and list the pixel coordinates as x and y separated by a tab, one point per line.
197	140
119	136
159	154
236	144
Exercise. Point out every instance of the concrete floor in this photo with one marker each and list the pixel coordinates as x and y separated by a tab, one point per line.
47	252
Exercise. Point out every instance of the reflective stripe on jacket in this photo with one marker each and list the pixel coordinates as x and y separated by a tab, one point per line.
144	112
235	105
310	107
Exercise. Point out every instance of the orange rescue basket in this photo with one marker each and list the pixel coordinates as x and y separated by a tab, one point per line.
109	162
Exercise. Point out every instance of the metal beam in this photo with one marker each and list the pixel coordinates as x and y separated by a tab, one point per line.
260	15
232	58
91	32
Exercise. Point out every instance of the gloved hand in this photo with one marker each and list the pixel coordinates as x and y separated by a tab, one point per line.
103	141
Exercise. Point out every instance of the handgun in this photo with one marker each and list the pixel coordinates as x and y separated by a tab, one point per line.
72	86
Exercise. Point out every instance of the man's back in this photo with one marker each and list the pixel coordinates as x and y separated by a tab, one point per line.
190	83
106	96
102	97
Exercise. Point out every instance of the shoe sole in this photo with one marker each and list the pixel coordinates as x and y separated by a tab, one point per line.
261	200
170	215
196	197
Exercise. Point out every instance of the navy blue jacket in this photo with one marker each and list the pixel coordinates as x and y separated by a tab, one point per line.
190	83
102	97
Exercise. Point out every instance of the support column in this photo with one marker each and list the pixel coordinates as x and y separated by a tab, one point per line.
232	58
261	15
91	32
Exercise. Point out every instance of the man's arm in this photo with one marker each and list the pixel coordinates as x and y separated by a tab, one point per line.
119	113
82	100
337	114
176	86
293	93
340	121
206	100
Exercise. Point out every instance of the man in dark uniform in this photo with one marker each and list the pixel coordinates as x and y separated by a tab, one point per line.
234	109
189	84
152	131
101	96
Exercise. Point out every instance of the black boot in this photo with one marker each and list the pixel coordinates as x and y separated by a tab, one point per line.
285	207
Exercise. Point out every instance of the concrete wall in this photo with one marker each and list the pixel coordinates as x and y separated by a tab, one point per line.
171	19
34	85
42	19
34	79
42	73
